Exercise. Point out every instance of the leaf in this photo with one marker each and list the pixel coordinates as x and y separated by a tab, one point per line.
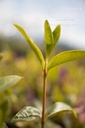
56	34
51	38
48	34
8	81
64	57
28	113
32	45
59	108
3	112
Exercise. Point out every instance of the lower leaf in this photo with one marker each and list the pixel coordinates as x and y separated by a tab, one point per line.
59	108
28	113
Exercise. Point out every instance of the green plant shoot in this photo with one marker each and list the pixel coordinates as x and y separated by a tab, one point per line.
51	38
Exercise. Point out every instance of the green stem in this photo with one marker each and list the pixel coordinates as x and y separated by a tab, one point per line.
44	96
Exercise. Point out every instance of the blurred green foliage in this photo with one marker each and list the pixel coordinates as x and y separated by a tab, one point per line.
65	83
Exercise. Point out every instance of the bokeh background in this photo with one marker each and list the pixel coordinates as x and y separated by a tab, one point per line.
66	82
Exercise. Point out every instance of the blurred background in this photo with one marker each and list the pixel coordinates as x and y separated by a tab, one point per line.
66	82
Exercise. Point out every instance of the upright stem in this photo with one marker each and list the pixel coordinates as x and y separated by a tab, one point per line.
44	95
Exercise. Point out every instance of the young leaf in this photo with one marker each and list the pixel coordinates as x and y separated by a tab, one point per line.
8	81
28	113
56	34
48	34
51	38
64	57
58	108
32	45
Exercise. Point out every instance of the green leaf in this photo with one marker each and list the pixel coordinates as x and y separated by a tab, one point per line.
59	108
32	45
8	81
48	34
51	38
28	113
64	57
56	34
3	112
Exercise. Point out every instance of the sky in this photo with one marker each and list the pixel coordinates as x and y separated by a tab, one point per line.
31	14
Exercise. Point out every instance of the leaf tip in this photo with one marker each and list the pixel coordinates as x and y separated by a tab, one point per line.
14	25
12	120
17	26
46	20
